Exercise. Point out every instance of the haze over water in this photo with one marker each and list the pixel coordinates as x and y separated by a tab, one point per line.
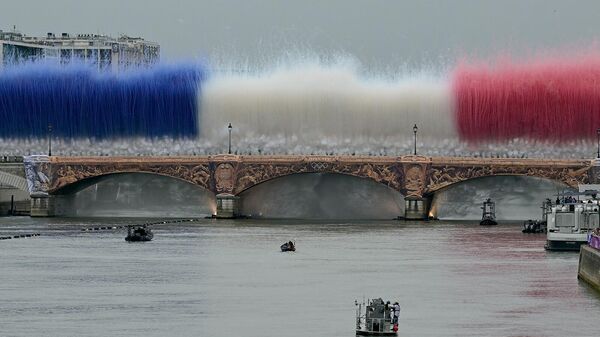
228	278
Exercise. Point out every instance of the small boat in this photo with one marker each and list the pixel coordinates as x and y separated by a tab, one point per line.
539	226
139	233
534	226
489	213
288	247
379	318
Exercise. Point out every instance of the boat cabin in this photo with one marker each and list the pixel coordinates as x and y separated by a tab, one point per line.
376	320
572	219
138	233
575	212
489	213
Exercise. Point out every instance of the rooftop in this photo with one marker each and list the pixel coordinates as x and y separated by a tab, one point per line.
66	39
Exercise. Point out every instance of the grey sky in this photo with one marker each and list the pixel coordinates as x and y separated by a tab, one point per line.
377	32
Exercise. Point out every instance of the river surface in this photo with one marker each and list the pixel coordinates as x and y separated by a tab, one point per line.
228	278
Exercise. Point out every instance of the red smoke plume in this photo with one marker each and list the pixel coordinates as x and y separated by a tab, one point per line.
552	99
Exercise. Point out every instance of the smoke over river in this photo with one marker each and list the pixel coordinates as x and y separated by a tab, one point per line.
516	197
306	196
137	195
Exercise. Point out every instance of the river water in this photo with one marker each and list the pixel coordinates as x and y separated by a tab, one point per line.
228	278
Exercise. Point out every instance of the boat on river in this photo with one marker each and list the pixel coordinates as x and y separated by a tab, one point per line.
539	226
534	226
138	233
572	220
288	247
489	213
378	318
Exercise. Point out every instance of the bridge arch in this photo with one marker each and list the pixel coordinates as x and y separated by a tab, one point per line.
63	175
442	187
134	194
81	184
14	181
517	197
444	176
250	175
321	195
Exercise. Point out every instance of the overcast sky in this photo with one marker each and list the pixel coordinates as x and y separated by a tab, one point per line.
377	32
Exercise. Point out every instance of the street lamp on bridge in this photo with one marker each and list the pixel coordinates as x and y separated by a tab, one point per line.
229	127
415	129
49	139
598	142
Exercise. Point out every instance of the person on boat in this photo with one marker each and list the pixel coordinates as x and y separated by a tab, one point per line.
557	201
396	312
291	245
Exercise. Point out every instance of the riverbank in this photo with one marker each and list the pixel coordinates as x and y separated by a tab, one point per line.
589	266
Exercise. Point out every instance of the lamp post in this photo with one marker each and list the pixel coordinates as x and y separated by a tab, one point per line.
49	139
598	142
229	127
415	129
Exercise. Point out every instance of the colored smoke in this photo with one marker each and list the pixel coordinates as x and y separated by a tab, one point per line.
552	99
543	108
317	106
81	102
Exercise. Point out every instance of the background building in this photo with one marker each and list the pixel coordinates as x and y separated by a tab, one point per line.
104	51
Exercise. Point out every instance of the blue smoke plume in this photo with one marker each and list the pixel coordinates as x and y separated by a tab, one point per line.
80	101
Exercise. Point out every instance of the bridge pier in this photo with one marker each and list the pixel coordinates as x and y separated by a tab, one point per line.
416	208
594	172
227	206
42	205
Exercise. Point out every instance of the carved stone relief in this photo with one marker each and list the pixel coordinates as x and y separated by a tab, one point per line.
224	178
37	174
442	176
66	174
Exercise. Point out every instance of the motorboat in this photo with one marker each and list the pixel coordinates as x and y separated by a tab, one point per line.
572	220
288	247
534	226
539	226
488	217
378	319
138	233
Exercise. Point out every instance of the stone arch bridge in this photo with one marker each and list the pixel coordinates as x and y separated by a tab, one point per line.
416	177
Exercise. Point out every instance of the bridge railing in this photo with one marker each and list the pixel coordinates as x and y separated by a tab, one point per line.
11	159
